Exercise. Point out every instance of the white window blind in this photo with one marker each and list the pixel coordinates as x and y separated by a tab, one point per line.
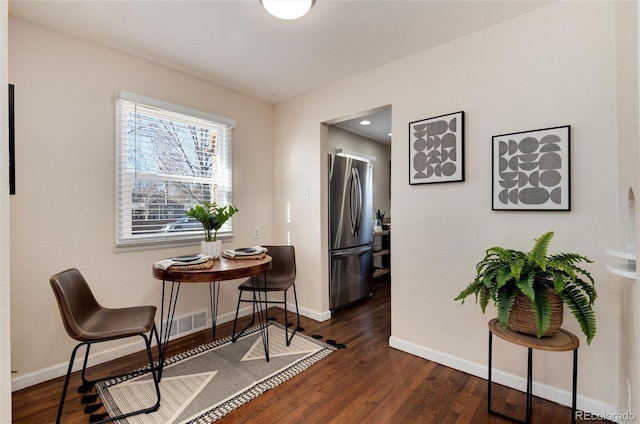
168	158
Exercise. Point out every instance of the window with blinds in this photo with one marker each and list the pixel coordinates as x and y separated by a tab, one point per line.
169	158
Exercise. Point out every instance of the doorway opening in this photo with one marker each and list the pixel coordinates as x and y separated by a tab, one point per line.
365	136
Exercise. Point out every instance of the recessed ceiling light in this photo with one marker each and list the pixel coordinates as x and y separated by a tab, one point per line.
365	122
389	134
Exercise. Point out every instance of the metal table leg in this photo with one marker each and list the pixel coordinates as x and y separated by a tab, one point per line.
166	321
562	341
575	387
214	295
489	379
529	407
529	386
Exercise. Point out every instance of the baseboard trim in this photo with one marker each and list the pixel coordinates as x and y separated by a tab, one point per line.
545	391
58	370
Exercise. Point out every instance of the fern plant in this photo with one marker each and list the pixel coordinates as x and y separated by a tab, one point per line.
212	217
504	273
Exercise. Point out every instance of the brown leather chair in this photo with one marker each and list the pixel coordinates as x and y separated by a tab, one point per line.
279	278
88	322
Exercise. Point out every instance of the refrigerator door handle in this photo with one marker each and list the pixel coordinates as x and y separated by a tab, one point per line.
353	251
356	202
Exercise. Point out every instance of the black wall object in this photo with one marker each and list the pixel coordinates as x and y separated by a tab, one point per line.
12	143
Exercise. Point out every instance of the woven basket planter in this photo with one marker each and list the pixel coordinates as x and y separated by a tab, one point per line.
522	319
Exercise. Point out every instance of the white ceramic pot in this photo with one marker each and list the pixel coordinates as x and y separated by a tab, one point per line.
211	248
377	226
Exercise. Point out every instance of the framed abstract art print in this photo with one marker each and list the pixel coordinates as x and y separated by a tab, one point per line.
531	170
436	149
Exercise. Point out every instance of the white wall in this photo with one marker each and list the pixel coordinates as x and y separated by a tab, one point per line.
63	212
5	316
628	109
554	66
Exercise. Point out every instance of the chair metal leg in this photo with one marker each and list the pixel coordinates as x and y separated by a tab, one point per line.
235	321
84	366
66	382
263	321
260	307
235	336
155	371
286	321
295	297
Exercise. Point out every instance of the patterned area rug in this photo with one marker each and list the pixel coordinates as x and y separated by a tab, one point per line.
206	383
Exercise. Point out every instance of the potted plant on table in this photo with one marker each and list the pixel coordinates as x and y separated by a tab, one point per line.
377	226
212	217
537	282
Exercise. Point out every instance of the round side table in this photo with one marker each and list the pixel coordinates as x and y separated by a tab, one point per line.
562	341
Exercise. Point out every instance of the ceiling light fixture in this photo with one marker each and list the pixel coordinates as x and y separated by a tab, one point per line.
354	155
287	9
365	122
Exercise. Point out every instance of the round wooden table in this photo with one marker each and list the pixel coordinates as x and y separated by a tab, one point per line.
562	341
222	269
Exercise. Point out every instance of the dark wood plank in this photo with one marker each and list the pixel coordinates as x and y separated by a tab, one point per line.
366	382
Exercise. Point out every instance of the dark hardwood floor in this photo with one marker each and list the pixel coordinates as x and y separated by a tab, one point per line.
366	382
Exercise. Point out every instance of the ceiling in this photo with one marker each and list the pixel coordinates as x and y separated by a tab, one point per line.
379	129
237	44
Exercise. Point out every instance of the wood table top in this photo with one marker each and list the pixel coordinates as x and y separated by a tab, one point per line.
562	341
222	269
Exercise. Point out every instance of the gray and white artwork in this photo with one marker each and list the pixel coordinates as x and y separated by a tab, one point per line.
531	170
436	149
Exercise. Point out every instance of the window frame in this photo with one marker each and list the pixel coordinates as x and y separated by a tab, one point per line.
124	238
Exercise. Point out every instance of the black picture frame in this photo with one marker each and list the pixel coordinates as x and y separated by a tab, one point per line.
12	142
436	149
531	170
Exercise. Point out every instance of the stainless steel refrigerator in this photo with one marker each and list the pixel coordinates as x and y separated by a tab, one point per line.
350	230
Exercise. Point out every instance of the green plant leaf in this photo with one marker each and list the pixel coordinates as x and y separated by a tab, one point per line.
559	282
588	289
503	276
526	286
541	309
538	253
472	288
211	217
503	272
506	299
580	306
489	278
483	298
516	269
